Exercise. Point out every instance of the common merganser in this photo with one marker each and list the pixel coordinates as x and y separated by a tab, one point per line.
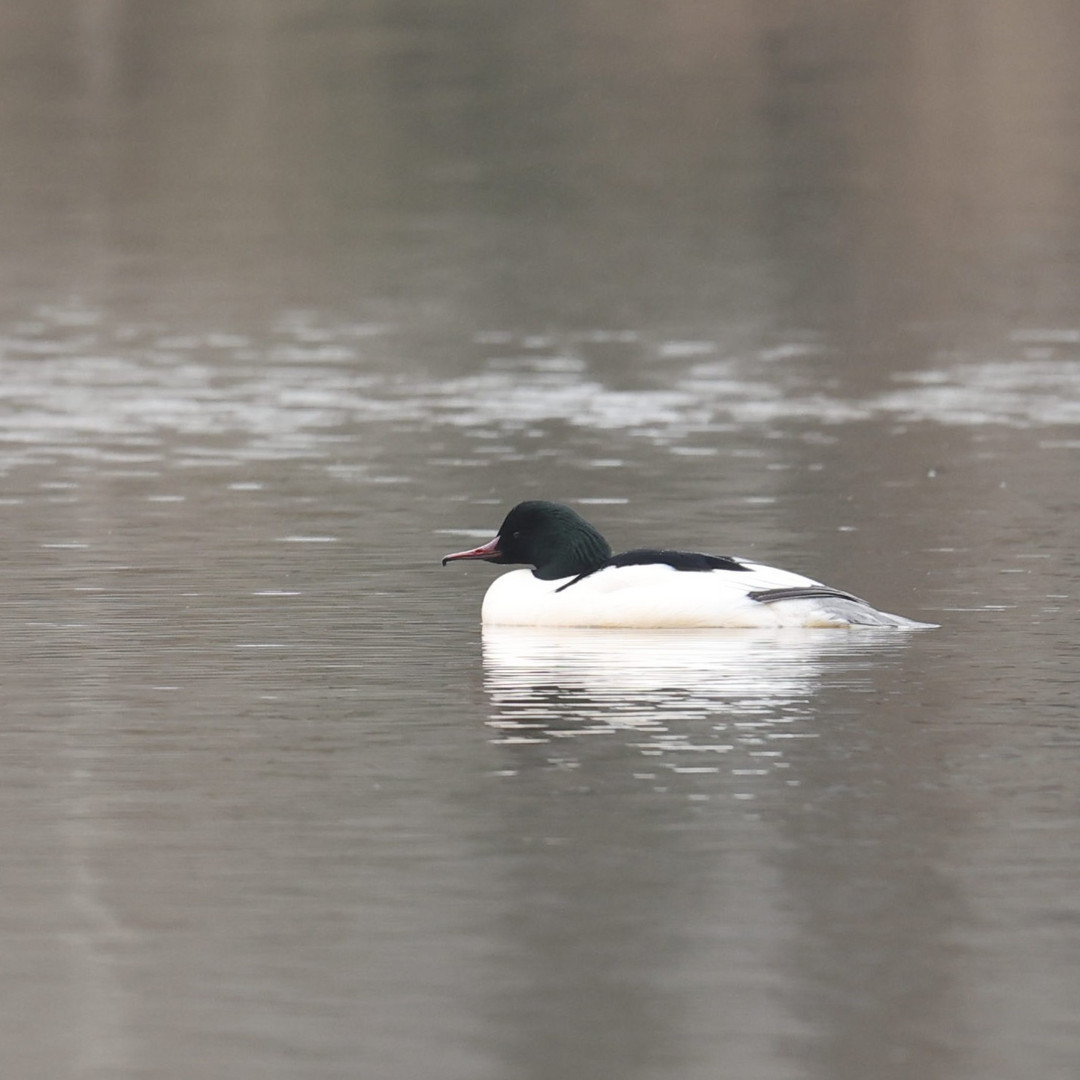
576	581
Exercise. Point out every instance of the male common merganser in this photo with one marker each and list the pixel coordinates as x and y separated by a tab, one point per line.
576	581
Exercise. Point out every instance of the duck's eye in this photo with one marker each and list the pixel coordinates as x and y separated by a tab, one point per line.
517	535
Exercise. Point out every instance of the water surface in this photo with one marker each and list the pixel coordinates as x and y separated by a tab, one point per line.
295	297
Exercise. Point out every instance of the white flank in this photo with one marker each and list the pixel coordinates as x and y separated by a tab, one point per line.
655	595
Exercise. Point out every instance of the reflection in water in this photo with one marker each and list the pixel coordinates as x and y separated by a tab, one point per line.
697	702
660	791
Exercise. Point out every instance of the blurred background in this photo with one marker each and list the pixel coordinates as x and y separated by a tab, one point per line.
298	295
853	170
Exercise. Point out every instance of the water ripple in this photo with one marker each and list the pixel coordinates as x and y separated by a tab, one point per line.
693	703
71	383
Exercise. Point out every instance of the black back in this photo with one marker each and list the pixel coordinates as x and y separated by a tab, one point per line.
677	560
692	561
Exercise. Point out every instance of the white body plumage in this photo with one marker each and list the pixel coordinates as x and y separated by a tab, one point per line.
657	595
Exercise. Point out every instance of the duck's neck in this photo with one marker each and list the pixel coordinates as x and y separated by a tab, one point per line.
580	552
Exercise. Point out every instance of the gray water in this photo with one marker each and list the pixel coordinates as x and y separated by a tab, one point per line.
295	297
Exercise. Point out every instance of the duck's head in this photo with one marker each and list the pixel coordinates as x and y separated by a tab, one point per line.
557	541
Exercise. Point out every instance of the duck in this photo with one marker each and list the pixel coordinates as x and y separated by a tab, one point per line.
571	578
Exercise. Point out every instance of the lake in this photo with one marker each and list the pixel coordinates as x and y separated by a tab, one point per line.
297	297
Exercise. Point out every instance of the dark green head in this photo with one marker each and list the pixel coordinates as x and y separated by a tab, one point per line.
557	541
